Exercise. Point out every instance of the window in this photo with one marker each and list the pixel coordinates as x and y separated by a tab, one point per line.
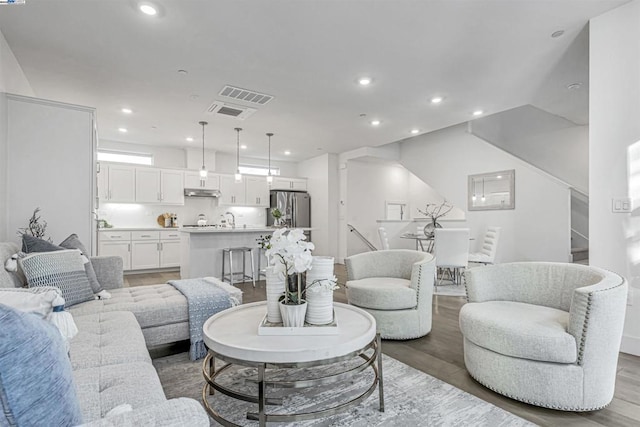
125	157
258	170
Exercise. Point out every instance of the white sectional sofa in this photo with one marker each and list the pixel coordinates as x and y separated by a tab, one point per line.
109	357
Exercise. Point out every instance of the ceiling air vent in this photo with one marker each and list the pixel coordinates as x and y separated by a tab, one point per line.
245	95
230	110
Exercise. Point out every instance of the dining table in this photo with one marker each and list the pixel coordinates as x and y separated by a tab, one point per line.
424	243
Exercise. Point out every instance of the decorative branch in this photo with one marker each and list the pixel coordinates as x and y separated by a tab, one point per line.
36	227
435	211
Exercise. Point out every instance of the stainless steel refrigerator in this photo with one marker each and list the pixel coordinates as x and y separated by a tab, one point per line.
295	207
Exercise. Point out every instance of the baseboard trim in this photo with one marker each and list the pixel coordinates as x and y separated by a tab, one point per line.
630	345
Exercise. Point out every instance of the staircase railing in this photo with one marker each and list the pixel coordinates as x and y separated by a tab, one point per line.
361	237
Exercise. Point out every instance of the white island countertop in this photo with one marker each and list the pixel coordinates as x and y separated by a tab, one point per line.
200	230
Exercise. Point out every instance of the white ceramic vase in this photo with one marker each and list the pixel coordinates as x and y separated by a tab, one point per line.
293	314
275	288
319	299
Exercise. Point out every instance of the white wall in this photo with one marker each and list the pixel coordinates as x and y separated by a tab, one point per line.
614	145
544	140
12	78
3	167
322	184
537	229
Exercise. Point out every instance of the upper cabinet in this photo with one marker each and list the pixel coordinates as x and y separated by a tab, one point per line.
117	183
131	184
257	191
232	193
192	180
164	186
280	183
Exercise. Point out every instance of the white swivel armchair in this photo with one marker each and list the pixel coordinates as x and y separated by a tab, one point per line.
451	251
384	240
487	254
396	288
543	333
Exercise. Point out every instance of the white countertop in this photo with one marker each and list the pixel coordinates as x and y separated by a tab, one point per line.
233	230
137	229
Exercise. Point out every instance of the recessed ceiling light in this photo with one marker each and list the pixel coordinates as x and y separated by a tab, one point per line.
123	130
127	110
148	9
244	147
183	72
436	99
499	176
478	112
557	34
375	122
415	131
194	97
286	153
574	86
364	81
189	139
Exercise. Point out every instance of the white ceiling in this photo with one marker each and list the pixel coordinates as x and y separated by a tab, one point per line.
478	54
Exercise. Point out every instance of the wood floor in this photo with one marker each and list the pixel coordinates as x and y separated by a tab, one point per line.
440	354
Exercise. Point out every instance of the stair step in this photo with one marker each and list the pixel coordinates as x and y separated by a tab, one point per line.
579	254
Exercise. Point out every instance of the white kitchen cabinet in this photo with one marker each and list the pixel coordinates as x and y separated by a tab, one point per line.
257	191
232	193
117	248
145	255
172	187
121	184
170	253
164	186
281	183
192	180
147	185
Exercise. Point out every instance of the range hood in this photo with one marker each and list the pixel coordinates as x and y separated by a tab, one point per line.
199	192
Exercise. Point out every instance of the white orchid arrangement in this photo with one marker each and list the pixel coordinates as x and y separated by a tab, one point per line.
329	284
289	253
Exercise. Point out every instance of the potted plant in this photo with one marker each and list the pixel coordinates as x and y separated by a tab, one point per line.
277	215
289	254
433	211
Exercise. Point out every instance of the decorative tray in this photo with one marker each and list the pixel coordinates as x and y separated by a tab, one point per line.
268	328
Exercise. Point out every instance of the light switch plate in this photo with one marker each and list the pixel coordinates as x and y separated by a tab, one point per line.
621	205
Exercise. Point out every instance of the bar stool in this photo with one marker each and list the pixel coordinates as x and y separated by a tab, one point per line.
261	272
228	253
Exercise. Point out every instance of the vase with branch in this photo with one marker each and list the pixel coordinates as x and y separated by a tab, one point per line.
36	227
434	211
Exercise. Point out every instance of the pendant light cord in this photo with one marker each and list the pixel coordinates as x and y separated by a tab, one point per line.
269	135
238	150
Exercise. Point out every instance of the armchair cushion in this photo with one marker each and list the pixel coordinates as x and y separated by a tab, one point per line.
519	330
382	293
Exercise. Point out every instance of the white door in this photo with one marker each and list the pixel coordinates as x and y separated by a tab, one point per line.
170	253
121	249
257	192
122	184
102	182
232	192
172	186
145	255
147	185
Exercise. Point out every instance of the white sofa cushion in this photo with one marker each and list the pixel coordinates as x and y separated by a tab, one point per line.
519	330
382	293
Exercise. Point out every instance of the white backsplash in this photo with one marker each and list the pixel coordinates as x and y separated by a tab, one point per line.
131	215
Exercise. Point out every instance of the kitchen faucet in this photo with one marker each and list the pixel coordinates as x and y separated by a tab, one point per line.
233	219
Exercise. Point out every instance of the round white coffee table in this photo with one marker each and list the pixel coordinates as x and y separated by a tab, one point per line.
232	336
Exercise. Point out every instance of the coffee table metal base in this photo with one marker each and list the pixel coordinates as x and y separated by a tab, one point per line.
373	361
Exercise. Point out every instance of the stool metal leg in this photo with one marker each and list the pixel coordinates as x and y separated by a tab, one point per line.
231	267
253	270
244	266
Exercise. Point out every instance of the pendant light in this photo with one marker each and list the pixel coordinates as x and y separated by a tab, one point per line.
483	198
238	175
473	198
269	176
203	171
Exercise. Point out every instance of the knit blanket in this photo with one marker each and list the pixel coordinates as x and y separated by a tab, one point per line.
204	298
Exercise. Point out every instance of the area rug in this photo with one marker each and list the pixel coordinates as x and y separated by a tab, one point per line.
412	398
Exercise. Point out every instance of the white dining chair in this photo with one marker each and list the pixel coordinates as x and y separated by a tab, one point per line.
487	254
452	252
384	240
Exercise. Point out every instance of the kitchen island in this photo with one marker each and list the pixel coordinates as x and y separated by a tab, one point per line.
201	249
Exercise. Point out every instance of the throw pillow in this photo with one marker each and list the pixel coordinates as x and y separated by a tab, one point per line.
34	244
63	269
36	381
37	300
72	242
